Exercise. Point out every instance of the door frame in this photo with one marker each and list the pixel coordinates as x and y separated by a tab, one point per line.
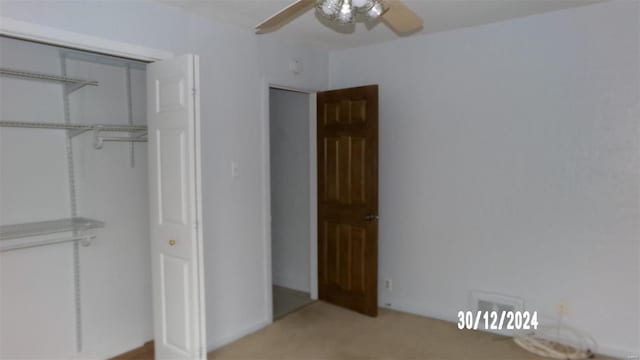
313	194
54	36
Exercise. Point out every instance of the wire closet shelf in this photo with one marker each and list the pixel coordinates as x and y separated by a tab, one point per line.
72	84
137	132
74	230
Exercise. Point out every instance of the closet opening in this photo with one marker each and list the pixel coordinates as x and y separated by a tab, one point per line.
75	260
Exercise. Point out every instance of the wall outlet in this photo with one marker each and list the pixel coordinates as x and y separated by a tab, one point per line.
234	169
387	284
563	309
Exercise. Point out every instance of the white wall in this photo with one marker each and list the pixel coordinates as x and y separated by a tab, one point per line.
116	269
235	67
509	162
37	299
33	187
289	152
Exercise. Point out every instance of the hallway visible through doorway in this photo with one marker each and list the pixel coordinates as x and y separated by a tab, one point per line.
290	199
287	300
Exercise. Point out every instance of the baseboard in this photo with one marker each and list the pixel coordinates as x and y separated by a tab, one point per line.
218	343
143	352
414	308
83	356
625	354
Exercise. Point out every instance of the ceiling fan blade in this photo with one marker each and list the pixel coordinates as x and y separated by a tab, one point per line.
401	19
284	16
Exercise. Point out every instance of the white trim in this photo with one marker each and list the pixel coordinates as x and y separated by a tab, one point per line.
266	210
199	230
313	201
410	306
289	88
313	197
617	352
35	32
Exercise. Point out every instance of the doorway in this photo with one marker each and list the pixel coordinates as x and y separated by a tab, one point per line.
290	189
342	142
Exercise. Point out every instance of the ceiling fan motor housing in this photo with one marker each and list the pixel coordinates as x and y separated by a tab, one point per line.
344	11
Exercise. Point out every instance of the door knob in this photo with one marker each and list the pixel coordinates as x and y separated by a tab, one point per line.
371	217
172	242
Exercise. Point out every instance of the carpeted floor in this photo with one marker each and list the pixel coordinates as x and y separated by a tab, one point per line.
323	331
286	300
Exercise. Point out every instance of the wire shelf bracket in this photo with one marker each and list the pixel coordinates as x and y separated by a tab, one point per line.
99	139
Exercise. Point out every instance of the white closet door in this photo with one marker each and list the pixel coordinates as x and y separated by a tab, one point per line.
176	244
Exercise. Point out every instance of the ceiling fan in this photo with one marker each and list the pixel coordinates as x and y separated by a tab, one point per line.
394	13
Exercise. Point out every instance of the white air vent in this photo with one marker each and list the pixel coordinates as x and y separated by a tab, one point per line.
486	302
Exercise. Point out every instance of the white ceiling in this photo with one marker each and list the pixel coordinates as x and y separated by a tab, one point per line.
438	15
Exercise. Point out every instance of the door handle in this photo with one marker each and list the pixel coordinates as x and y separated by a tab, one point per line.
371	217
172	242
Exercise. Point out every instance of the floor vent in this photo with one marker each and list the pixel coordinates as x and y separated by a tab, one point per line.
487	302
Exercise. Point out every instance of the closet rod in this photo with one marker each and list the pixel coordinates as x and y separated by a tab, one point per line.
85	239
23	74
63	126
121	139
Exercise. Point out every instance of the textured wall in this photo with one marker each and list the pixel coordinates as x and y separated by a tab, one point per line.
509	162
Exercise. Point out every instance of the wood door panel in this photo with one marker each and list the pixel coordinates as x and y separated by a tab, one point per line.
343	257
331	169
358	111
344	169
331	114
348	194
358	255
341	111
357	154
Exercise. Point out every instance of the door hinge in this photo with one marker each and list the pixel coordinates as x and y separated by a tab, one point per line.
193	91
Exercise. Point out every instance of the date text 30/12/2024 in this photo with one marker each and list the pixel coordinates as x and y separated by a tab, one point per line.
492	320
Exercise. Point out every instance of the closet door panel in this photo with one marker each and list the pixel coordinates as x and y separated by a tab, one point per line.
171	150
176	240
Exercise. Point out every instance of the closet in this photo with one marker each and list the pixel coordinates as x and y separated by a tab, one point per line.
75	272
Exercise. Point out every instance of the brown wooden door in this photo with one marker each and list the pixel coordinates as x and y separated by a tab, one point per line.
348	198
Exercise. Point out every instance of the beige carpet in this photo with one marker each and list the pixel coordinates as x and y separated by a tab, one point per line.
286	300
324	331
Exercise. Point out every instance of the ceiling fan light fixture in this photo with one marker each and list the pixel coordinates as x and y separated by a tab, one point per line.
378	8
329	8
346	14
362	5
402	20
